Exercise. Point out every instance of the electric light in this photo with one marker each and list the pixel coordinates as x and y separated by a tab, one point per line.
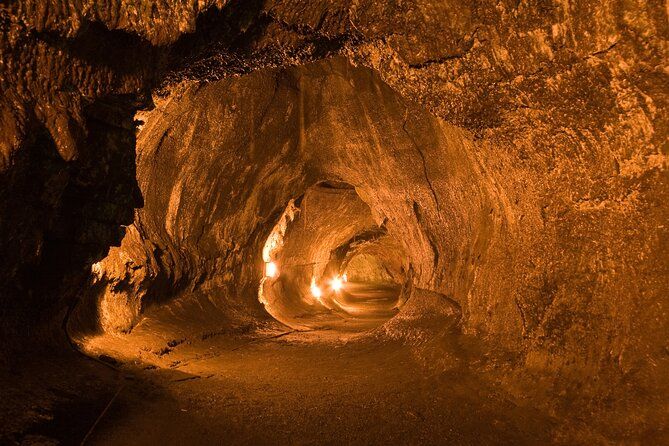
336	284
344	278
271	270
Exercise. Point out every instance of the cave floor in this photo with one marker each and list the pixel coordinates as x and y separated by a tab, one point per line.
311	388
187	377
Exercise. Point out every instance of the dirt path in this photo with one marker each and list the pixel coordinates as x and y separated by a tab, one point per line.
289	390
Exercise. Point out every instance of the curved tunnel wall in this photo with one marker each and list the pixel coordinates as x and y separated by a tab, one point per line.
219	162
330	224
214	191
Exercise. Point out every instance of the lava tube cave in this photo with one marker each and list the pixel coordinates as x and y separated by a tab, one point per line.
351	222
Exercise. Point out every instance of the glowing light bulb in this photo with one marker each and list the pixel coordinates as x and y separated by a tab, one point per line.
271	270
315	290
336	284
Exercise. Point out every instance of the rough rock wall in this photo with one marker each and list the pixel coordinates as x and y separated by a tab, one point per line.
566	100
67	168
59	60
59	216
159	22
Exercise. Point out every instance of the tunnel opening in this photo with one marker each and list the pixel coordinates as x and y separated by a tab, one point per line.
329	265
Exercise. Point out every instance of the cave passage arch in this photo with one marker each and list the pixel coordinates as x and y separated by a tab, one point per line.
328	264
249	163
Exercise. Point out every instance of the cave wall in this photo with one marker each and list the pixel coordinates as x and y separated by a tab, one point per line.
327	218
278	132
59	216
329	226
558	105
511	260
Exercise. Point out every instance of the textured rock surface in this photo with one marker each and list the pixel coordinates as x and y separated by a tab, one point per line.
327	121
331	227
516	150
478	231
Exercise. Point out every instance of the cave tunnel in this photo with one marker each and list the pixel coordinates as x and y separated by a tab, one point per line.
420	222
329	265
